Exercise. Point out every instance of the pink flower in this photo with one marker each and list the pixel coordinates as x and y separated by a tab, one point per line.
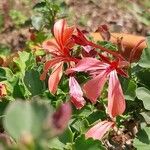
99	130
59	48
76	94
100	73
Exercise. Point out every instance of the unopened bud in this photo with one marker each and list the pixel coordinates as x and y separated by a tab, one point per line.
3	91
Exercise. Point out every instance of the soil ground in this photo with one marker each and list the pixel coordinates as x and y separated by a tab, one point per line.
119	15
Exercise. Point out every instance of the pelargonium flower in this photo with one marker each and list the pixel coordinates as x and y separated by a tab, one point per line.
101	72
59	48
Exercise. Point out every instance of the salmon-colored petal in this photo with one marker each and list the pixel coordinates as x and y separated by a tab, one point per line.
78	102
88	64
59	28
99	130
80	38
116	101
51	46
55	78
93	87
67	34
76	94
52	62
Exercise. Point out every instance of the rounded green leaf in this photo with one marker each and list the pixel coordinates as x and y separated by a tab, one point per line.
142	141
25	118
18	120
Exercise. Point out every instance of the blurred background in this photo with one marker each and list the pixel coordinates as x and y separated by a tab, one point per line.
17	16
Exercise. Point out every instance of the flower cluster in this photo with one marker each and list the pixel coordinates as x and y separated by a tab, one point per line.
103	66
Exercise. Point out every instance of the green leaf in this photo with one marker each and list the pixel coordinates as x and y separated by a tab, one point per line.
80	125
37	22
148	41
20	90
17	17
6	74
25	61
145	58
96	115
82	144
144	94
4	50
146	116
39	5
129	87
142	141
67	136
25	117
33	82
144	76
55	144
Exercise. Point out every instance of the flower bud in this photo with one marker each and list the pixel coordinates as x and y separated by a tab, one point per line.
3	91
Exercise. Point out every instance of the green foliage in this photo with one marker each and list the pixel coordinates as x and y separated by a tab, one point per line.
33	82
144	95
145	61
129	87
140	13
45	13
146	116
30	122
55	144
37	22
1	21
4	50
143	77
88	144
17	17
108	45
25	61
142	140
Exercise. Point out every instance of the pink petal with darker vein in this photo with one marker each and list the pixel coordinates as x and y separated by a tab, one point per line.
52	62
88	64
51	46
59	28
76	94
67	34
55	78
99	130
94	87
116	101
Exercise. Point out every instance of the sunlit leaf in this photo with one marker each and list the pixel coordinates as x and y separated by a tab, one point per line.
144	94
142	141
